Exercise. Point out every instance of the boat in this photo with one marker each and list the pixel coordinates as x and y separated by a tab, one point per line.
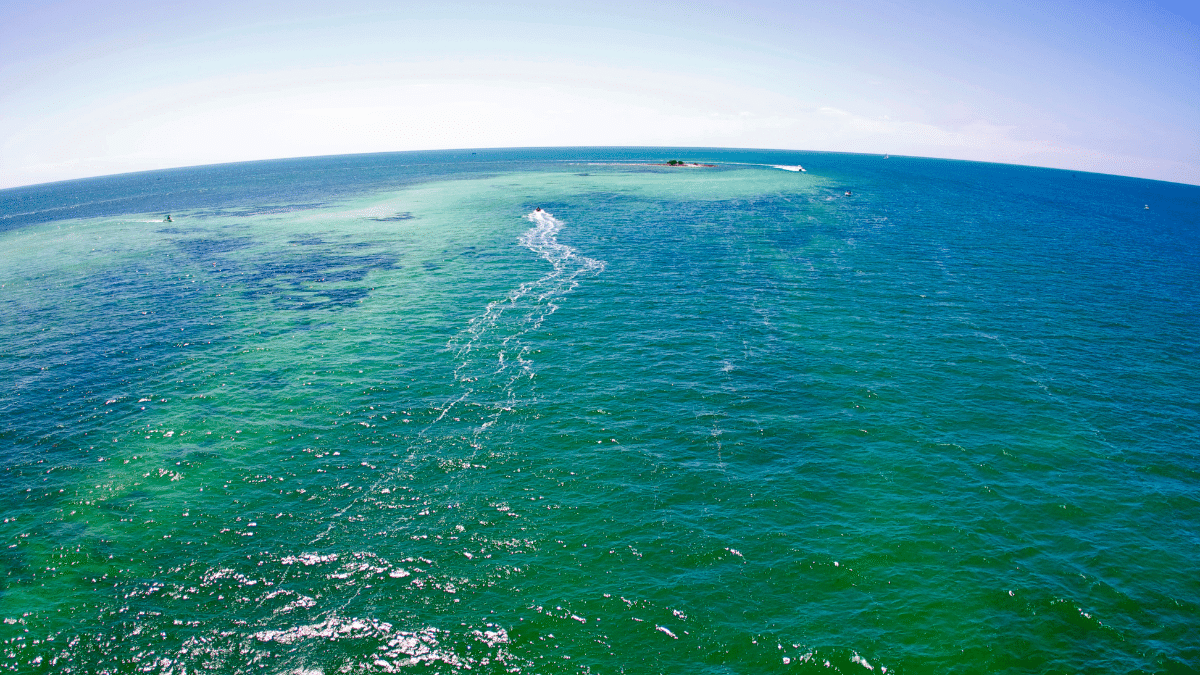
168	219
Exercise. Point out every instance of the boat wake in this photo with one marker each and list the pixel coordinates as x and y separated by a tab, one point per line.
491	350
492	359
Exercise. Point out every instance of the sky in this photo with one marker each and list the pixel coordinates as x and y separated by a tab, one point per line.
96	87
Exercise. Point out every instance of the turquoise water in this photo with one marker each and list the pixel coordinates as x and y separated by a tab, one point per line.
377	414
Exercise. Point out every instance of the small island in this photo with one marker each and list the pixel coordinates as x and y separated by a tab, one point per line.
676	162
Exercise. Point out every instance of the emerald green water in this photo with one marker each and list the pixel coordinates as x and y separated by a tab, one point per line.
725	420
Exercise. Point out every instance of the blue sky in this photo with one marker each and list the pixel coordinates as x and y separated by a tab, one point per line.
109	86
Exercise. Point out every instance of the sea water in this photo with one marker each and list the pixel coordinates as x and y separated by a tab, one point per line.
381	413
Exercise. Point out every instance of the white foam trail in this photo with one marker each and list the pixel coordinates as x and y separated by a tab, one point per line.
785	167
490	351
491	345
491	359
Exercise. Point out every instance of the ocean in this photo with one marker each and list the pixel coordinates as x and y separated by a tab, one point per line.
574	411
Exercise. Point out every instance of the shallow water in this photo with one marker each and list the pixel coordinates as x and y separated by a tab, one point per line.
360	414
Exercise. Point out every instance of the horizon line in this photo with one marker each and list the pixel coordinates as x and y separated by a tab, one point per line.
580	147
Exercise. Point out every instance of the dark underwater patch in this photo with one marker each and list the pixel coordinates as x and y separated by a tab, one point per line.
204	247
299	283
399	216
330	299
251	211
312	240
